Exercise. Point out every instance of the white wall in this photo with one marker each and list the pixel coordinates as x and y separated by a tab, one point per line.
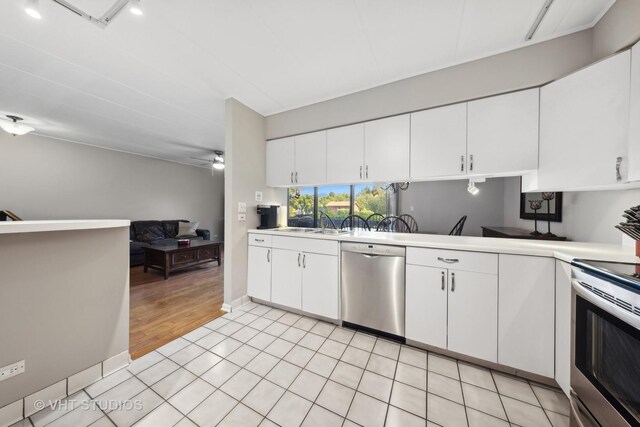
244	175
439	205
44	178
588	216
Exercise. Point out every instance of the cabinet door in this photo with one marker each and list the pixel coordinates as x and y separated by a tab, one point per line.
426	305
503	133
286	278
634	116
584	127
473	314
320	285
311	158
386	149
526	313
439	142
259	273
563	325
345	154
280	162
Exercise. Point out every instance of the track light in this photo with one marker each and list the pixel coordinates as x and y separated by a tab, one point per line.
14	127
218	160
135	7
32	9
472	188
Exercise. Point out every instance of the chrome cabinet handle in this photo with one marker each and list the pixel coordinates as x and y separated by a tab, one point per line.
259	240
360	172
296	177
448	260
366	169
298	260
442	281
304	261
453	282
618	164
461	163
269	255
471	162
292	177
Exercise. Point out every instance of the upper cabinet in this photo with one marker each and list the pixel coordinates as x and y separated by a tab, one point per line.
345	154
386	149
634	116
439	142
503	134
297	161
584	128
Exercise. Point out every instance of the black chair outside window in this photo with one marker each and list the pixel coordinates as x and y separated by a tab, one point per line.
328	222
457	229
374	219
354	222
394	224
411	222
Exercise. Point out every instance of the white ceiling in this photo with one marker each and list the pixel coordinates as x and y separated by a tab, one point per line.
155	85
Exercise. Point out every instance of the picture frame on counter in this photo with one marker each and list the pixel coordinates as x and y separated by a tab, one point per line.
555	207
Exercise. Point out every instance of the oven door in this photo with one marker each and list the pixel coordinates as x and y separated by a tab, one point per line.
605	373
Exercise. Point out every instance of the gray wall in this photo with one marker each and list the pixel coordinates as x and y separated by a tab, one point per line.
244	175
439	205
65	296
588	216
517	69
44	178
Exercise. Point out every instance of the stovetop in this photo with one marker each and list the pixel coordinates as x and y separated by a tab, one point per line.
627	273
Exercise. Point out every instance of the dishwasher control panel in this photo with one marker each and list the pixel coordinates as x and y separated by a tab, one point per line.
371	249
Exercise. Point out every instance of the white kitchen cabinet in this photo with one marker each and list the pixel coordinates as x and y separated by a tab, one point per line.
345	154
311	159
439	142
259	273
320	285
426	305
634	116
563	326
503	133
286	278
280	162
584	128
473	314
526	313
387	147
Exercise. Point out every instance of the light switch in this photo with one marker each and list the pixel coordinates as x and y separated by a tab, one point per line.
242	217
242	207
258	196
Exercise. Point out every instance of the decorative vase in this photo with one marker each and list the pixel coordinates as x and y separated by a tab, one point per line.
638	248
535	205
549	197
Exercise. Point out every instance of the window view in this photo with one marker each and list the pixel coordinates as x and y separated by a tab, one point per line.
337	202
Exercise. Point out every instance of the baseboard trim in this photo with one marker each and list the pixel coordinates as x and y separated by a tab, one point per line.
226	308
235	304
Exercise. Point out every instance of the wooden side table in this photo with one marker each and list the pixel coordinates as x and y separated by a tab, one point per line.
169	258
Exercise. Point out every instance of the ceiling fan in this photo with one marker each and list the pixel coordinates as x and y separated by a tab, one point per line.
216	163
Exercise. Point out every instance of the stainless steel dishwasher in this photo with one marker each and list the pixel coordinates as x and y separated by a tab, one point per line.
373	286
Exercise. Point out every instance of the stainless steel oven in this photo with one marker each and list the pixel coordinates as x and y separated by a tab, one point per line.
605	371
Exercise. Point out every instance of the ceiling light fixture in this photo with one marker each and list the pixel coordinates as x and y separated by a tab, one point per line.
543	12
472	188
14	127
135	7
32	9
218	160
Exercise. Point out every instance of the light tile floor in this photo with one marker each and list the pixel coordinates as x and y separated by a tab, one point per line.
259	366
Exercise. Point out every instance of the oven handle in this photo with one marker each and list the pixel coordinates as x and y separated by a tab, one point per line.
606	305
582	419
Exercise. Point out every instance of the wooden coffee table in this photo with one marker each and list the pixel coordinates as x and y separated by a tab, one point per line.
169	258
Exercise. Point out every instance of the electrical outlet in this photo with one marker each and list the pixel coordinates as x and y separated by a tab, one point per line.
12	370
242	217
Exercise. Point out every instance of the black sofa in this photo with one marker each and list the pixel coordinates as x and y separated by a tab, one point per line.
147	233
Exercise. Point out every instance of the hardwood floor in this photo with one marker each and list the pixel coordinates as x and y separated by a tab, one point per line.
163	310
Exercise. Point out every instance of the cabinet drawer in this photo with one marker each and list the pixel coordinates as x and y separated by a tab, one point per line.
183	257
206	253
476	262
316	246
260	240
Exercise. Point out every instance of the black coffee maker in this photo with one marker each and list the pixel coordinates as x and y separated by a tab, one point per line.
268	216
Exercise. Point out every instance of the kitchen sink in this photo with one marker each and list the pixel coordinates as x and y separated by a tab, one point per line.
334	232
303	230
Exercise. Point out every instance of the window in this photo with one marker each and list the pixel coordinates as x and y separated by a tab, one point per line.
336	201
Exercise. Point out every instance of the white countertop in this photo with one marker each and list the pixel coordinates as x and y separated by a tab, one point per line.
564	251
14	227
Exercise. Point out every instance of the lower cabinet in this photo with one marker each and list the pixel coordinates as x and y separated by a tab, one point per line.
286	278
473	314
259	273
320	288
526	312
426	305
563	325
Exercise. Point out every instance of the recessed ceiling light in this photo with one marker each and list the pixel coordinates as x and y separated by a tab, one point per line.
14	127
32	9
135	7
